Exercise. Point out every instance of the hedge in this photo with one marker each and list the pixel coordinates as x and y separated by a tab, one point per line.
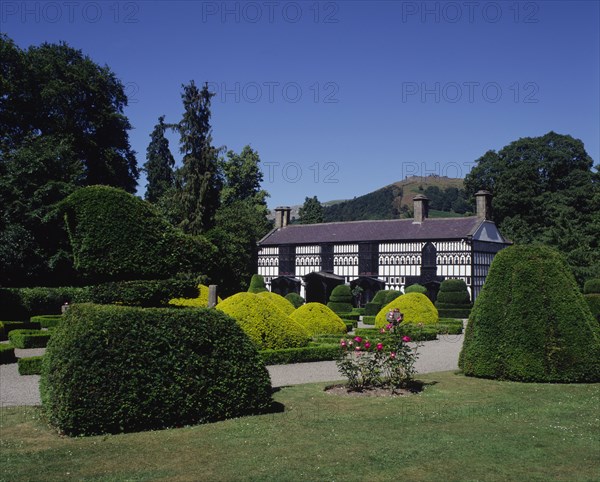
295	299
143	293
23	303
279	301
47	321
372	308
18	325
531	323
300	355
593	301
266	325
317	319
7	354
369	320
453	299
416	307
340	299
416	288
111	369
29	338
200	301
257	284
31	365
592	286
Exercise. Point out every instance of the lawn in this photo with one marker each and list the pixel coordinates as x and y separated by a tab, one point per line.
459	428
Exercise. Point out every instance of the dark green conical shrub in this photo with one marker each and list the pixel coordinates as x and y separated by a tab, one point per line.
340	300
531	323
453	299
591	291
295	299
257	284
416	288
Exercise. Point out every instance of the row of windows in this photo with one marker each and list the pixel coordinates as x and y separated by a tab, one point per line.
308	260
308	249
346	260
400	247
267	261
345	248
272	251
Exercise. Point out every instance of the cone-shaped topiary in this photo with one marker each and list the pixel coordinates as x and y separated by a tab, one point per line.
279	301
416	288
453	300
591	291
340	299
265	324
295	299
530	322
200	302
257	284
319	319
416	307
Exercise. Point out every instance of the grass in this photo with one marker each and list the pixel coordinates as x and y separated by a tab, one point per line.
459	428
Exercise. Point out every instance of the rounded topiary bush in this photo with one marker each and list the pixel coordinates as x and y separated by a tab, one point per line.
340	299
531	323
110	369
257	284
279	301
295	299
318	319
390	295
416	307
266	325
201	301
592	286
453	299
416	288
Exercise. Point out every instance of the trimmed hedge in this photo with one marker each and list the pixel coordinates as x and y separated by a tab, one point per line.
340	299
29	338
7	354
371	308
23	303
390	295
279	301
416	288
531	323
18	325
143	293
257	284
453	299
295	299
200	301
47	321
369	320
416	307
266	325
300	355
317	319
592	286
593	301
111	369
31	365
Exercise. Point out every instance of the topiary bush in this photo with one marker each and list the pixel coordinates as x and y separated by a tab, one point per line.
453	299
592	296
7	354
111	369
143	293
591	286
319	319
31	365
530	322
417	308
47	321
29	338
279	301
201	301
266	325
390	295
340	299
257	284
295	299
415	288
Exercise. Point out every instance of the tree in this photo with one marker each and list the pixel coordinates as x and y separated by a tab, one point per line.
544	190
159	164
243	178
199	178
311	211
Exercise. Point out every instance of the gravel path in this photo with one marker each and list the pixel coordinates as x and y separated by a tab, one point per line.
434	356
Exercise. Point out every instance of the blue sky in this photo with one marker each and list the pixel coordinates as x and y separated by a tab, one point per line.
343	97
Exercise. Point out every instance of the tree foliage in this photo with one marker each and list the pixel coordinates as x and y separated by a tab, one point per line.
243	178
311	211
159	164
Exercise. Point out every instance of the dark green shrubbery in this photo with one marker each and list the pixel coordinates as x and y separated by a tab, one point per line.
257	284
531	323
144	293
416	288
453	299
592	296
340	300
9	326
592	286
117	236
22	303
110	369
7	354
47	321
300	355
295	299
29	338
31	365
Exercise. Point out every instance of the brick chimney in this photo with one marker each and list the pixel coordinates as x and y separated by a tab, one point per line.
282	216
421	208
484	204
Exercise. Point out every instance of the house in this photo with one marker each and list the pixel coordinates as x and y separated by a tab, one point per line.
311	259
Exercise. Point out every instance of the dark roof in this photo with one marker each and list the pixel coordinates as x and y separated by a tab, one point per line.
384	230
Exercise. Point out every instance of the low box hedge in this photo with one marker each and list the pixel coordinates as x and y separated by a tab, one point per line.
371	309
349	316
47	321
300	355
17	325
369	320
7	354
31	365
143	293
29	338
454	313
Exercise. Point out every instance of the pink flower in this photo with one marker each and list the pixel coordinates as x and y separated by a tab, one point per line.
389	327
393	356
367	345
382	330
406	338
343	344
358	339
357	348
379	346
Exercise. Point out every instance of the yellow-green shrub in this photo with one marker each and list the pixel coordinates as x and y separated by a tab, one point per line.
279	301
265	324
417	308
319	319
200	302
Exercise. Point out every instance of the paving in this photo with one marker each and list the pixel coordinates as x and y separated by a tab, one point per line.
434	356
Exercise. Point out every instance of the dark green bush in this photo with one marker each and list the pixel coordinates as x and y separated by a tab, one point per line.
340	299
451	285
530	322
295	299
110	369
257	284
592	286
390	295
369	320
117	236
2	331
416	288
593	301
371	309
47	321
144	293
7	354
339	308
454	312
18	325
453	299
22	303
31	365
380	297
300	355
29	338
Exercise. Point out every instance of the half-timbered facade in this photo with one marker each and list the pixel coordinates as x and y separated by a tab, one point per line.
394	253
